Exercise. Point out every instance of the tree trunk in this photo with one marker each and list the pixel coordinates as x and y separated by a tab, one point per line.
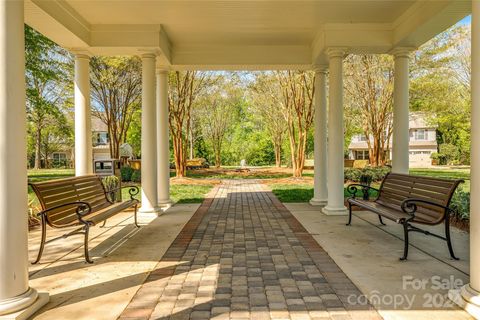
191	144
278	155
179	157
38	146
217	160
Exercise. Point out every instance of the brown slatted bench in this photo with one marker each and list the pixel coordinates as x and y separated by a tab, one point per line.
407	199
78	201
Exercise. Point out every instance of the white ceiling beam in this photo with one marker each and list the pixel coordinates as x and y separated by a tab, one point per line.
357	37
128	39
240	57
424	19
57	21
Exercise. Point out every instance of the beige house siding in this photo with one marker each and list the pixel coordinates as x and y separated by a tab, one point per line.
423	142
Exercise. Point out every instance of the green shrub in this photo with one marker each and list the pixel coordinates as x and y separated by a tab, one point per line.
352	174
449	153
137	176
111	183
461	203
366	175
126	173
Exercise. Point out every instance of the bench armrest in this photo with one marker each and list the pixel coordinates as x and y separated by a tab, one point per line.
133	191
83	208
354	187
410	206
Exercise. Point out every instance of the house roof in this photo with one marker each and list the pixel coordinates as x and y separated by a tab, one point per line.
98	125
241	35
419	120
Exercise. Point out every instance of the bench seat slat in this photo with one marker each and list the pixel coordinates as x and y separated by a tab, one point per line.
61	199
397	187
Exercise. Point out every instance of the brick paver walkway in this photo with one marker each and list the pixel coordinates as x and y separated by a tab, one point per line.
244	256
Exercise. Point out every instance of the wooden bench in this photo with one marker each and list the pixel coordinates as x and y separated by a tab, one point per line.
407	199
79	201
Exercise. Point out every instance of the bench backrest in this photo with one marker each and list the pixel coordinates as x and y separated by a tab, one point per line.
57	192
397	187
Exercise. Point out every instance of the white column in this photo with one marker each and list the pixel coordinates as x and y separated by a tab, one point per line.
149	136
335	205
468	297
320	193
400	135
15	294
163	152
83	120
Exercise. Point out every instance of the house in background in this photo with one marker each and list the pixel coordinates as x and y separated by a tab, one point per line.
423	142
101	139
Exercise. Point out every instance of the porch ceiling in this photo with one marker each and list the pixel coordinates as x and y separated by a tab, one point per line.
247	35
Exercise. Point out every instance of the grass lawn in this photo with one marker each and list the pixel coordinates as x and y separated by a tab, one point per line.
232	173
49	174
181	193
301	192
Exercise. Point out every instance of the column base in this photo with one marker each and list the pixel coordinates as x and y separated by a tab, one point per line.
318	202
165	204
23	306
467	299
335	211
150	212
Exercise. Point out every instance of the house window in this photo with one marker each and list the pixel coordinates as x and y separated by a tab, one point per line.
59	156
420	134
361	138
102	138
361	155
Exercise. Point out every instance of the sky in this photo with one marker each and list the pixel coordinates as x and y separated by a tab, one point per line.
466	20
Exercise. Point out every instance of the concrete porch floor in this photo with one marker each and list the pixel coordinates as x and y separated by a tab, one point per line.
123	255
366	253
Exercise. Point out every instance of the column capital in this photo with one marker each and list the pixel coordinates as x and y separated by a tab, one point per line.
148	55
318	68
401	52
162	70
336	52
80	53
82	56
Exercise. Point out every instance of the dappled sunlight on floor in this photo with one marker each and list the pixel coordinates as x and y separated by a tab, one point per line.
368	254
123	255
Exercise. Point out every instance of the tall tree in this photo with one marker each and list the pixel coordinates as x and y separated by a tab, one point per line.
297	92
184	88
216	113
266	101
369	94
116	91
440	87
48	69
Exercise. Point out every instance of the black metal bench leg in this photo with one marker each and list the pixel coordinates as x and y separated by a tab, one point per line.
43	239
405	239
85	245
349	214
135	217
381	220
103	224
449	240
